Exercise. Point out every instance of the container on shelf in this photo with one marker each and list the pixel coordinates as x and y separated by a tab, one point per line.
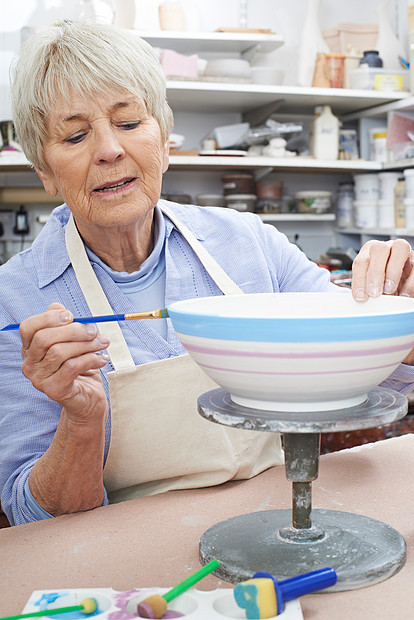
386	183
314	201
326	135
386	213
268	205
380	147
211	200
241	202
371	146
238	183
366	187
399	206
409	182
348	35
352	58
348	144
371	58
375	78
171	15
366	213
409	212
335	64
345	205
268	188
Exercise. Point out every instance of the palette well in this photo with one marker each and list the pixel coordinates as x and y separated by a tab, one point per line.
122	605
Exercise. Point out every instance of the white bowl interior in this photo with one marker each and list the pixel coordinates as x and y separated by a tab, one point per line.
295	305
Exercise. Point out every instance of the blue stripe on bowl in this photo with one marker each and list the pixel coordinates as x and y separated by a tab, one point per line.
328	329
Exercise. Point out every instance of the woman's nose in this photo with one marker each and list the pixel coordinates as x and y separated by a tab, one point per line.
107	147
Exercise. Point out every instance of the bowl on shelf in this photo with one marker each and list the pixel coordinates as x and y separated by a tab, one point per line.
296	351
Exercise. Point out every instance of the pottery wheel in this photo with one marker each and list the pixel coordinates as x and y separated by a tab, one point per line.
285	543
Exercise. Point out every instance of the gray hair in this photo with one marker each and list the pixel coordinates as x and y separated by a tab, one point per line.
89	59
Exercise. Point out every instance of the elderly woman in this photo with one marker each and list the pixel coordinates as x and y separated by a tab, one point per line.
95	414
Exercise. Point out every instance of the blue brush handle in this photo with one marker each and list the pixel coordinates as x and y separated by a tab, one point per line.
84	319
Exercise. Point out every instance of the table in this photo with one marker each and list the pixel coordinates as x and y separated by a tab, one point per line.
153	541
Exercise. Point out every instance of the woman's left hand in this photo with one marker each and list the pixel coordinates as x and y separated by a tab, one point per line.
383	267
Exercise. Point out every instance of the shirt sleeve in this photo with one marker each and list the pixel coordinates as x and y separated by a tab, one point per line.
28	422
401	380
32	510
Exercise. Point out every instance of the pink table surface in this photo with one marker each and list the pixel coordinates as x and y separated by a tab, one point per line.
153	541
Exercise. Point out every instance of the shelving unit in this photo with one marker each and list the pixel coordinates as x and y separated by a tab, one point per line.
245	100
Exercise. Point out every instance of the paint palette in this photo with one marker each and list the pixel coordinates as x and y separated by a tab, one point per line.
113	605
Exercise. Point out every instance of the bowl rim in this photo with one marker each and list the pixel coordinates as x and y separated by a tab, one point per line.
338	328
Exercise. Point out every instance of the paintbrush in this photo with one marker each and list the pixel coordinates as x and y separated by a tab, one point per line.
87	606
150	314
155	606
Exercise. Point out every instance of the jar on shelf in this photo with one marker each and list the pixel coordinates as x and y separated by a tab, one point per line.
371	58
399	206
238	183
345	205
380	147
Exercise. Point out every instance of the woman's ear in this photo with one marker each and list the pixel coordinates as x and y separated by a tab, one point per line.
47	181
166	156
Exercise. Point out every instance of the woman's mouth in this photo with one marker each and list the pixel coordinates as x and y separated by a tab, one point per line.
114	187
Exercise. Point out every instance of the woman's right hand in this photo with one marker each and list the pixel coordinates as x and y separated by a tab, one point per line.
62	359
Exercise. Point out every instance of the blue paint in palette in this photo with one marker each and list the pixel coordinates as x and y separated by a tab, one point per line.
48	598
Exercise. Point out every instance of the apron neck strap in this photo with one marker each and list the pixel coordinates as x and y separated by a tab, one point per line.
95	297
220	277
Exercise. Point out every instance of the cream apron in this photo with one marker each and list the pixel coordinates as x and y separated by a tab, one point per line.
158	440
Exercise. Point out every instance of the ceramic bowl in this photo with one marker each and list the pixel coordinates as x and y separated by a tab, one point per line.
296	351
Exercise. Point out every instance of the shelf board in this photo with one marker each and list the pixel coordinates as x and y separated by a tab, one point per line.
297	217
226	42
379	232
184	162
16	162
11	161
404	104
193	96
401	164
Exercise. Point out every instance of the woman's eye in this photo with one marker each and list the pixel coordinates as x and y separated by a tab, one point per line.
75	139
129	126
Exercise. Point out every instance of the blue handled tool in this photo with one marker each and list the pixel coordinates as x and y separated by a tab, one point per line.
264	597
150	314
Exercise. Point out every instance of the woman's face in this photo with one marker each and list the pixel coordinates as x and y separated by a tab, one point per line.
106	158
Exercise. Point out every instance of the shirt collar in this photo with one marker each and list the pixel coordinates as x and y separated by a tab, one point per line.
49	248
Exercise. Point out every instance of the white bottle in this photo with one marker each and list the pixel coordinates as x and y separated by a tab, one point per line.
326	135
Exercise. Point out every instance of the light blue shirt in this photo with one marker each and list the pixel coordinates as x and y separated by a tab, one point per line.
256	256
144	288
